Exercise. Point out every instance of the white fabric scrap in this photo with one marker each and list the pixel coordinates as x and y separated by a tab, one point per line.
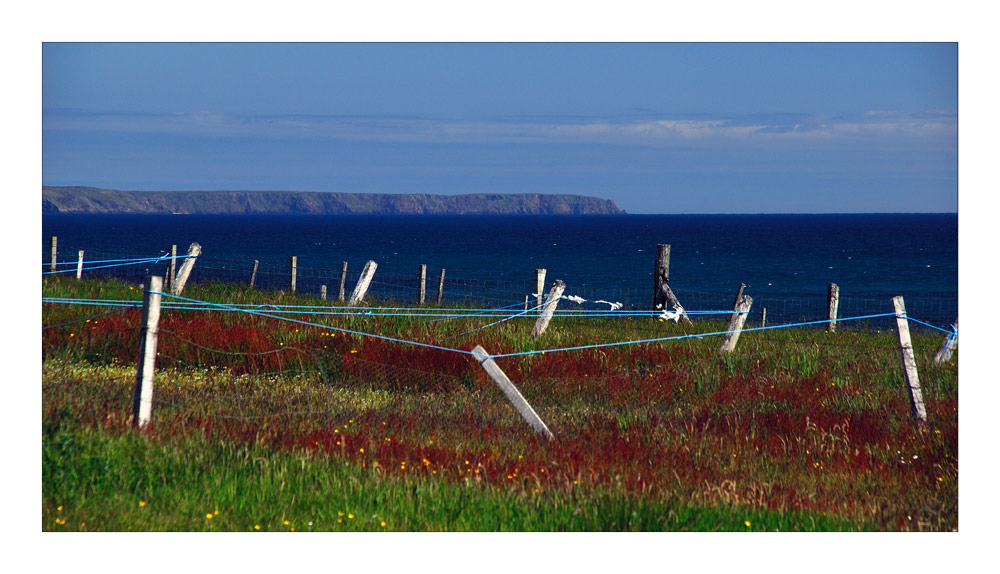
675	314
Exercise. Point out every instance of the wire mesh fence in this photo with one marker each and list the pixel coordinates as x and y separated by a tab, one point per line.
492	289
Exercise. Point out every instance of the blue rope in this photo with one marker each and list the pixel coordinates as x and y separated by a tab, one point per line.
929	325
310	324
201	305
678	337
138	259
511	317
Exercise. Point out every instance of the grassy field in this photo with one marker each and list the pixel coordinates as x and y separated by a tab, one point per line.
271	425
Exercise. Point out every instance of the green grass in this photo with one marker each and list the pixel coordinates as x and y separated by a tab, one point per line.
96	480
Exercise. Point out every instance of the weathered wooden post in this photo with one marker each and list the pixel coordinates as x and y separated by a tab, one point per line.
422	277
185	271
440	287
736	322
539	284
253	273
361	288
832	302
79	265
663	296
293	265
909	363
322	292
55	252
951	341
142	395
172	268
739	293
513	395
526	299
763	316
551	302
343	281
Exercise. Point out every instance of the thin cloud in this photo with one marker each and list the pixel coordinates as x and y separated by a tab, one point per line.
753	130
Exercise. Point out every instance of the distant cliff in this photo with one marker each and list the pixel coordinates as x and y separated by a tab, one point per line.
95	200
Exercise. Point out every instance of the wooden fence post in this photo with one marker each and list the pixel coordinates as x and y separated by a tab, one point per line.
513	395
322	292
171	277
739	293
293	265
361	288
185	271
343	282
909	363
440	287
55	252
79	266
526	299
539	284
253	274
832	302
551	302
736	322
142	395
951	341
763	316
661	273
423	283
663	296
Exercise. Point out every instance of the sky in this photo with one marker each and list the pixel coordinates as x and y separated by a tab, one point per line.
659	127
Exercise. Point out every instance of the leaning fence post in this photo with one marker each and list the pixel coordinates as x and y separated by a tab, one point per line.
832	301
949	344
361	288
55	252
909	363
253	273
551	302
736	322
739	293
142	395
513	395
79	265
343	281
423	282
293	265
440	287
185	271
539	284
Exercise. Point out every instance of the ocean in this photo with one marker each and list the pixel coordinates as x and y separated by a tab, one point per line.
785	261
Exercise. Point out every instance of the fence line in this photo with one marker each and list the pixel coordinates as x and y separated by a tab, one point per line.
495	288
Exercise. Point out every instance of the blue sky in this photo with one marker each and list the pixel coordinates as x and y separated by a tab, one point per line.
658	127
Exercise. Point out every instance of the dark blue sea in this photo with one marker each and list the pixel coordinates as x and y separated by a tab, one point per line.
785	261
